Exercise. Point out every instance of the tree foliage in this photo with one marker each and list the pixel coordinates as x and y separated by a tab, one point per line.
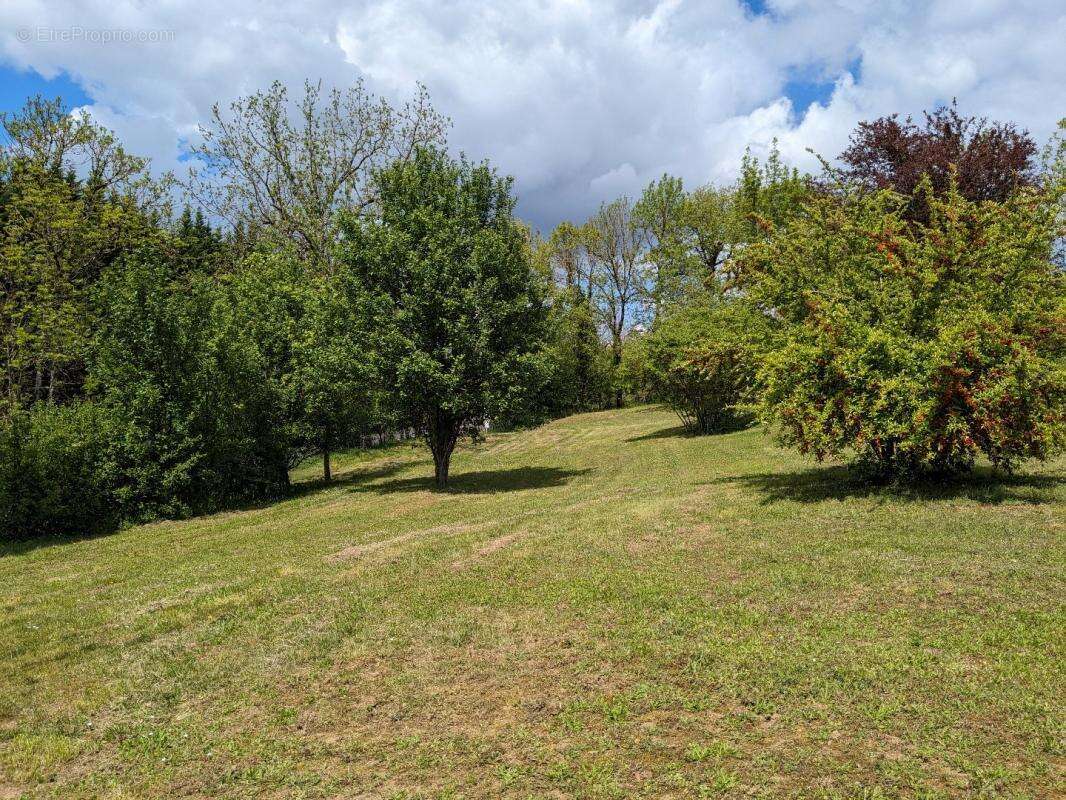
57	471
579	366
196	420
702	360
615	244
457	305
915	345
269	163
72	200
981	160
313	333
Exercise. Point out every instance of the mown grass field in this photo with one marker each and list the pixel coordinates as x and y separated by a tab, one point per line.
599	608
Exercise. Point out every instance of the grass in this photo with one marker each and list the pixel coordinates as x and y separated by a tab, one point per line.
601	607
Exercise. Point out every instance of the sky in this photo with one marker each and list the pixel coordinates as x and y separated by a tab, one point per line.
580	100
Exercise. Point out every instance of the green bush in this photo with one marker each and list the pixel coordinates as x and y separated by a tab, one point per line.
702	361
316	345
915	346
570	373
579	365
56	474
197	420
634	373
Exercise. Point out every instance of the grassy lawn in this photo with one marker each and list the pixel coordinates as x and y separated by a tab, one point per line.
601	607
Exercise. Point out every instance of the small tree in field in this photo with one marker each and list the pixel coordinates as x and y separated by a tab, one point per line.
701	360
312	332
458	306
916	346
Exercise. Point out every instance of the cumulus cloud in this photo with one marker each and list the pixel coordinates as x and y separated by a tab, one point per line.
581	100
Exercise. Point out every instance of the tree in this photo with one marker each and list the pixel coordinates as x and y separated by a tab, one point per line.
268	165
1054	180
202	246
196	420
458	307
986	161
766	197
617	281
579	364
73	201
312	331
710	225
660	215
579	367
915	345
702	360
568	258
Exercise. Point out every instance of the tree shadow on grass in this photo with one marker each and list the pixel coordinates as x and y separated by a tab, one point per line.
815	485
352	478
685	432
482	482
19	547
665	433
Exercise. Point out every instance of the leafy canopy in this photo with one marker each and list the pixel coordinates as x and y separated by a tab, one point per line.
457	305
915	345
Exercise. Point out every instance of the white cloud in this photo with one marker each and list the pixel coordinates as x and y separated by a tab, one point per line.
579	99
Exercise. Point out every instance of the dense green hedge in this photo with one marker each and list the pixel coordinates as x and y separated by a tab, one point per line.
182	417
56	471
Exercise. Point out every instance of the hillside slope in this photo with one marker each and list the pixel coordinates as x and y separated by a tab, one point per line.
600	607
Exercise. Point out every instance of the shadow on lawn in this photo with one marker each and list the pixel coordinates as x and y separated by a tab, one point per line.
665	433
354	477
681	431
983	485
483	482
351	477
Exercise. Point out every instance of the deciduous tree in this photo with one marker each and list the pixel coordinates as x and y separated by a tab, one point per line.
616	247
267	162
458	307
983	160
314	335
72	200
915	345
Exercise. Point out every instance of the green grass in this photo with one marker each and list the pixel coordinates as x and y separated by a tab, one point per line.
598	608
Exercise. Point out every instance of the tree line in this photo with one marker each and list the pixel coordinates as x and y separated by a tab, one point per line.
330	270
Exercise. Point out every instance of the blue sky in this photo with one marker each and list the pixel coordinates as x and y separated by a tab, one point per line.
580	100
18	85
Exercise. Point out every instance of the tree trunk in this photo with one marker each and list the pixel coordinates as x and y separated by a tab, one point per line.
616	359
441	462
441	443
327	473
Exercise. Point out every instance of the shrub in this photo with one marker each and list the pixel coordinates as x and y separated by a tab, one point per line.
702	361
634	372
578	363
915	346
56	476
197	419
